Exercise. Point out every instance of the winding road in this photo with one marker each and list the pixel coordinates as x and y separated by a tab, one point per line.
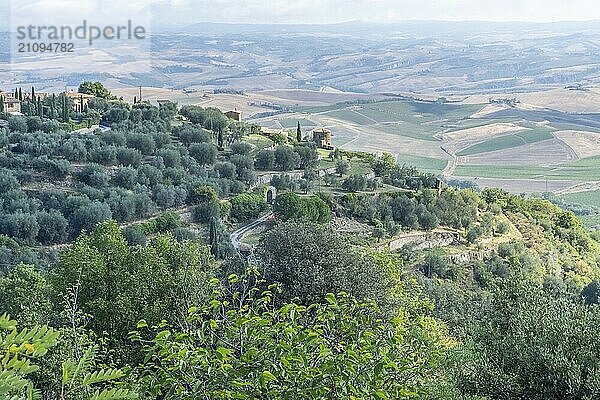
237	235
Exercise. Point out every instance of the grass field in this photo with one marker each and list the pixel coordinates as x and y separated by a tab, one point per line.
394	111
319	109
350	116
259	141
589	199
289	123
252	239
496	171
415	111
425	164
359	167
576	127
406	118
587	169
591	221
509	141
481	121
411	130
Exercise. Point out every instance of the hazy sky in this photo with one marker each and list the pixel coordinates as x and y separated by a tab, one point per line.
324	11
183	12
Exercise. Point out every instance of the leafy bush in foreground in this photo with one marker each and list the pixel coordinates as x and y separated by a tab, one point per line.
240	345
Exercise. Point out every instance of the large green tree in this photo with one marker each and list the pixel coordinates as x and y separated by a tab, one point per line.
285	158
247	206
534	344
290	206
25	294
118	284
310	260
94	88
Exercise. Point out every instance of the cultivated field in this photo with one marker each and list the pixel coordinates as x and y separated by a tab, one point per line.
509	141
584	144
587	169
544	153
520	148
590	198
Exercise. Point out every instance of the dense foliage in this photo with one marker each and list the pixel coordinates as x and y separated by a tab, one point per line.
294	253
242	345
291	206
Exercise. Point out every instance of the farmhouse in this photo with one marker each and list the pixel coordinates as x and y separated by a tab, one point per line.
38	95
234	115
322	137
11	105
80	100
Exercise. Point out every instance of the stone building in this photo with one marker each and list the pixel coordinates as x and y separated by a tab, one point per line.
322	137
11	105
38	96
80	100
234	115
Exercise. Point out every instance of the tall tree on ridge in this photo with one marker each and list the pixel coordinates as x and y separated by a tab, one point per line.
299	133
220	139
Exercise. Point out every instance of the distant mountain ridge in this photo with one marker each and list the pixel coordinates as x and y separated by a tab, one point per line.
358	26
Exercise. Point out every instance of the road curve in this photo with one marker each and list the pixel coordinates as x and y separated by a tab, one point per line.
239	233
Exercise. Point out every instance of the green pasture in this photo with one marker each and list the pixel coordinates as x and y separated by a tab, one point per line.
509	141
424	164
588	199
587	169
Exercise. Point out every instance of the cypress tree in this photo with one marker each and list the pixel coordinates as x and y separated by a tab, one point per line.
220	139
20	94
33	102
298	133
53	106
1	104
16	93
65	108
213	236
40	108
